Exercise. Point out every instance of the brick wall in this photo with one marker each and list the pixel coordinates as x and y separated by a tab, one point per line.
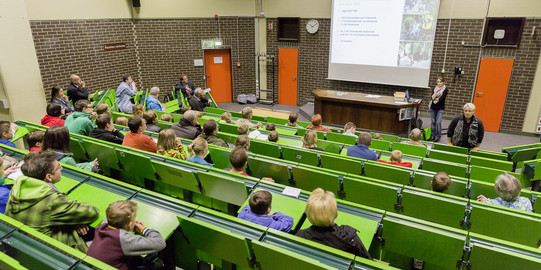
314	57
76	46
157	51
167	47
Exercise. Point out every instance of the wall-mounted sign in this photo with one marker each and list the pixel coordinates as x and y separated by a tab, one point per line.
198	62
207	44
114	46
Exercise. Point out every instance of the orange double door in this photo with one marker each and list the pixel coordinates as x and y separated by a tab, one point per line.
491	91
218	74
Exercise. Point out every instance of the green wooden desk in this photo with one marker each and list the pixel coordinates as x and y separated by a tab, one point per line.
158	219
97	197
66	184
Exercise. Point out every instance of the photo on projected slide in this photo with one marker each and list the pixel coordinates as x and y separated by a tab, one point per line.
414	54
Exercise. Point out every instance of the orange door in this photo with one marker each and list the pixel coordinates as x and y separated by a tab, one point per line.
491	91
218	73
287	76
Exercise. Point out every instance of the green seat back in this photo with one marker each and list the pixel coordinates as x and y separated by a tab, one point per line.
310	179
341	138
504	223
367	191
448	156
286	131
137	165
220	156
537	204
411	238
79	152
228	128
387	172
236	114
270	167
216	111
300	155
499	257
35	254
20	133
177	177
105	154
223	188
428	205
390	138
215	241
380	145
450	148
329	147
265	148
171	106
408	149
266	255
342	164
444	166
489	175
278	121
422	179
9	263
491	163
489	154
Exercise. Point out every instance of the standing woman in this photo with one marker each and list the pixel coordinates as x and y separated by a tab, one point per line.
124	92
58	96
466	130
437	108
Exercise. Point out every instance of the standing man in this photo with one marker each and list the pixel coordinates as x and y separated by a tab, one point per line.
77	89
185	86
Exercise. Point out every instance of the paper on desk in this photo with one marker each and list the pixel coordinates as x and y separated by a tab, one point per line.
400	102
14	175
254	134
262	137
373	96
292	192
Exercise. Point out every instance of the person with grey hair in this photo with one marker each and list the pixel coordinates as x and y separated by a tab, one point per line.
508	189
187	127
466	130
361	149
77	89
198	102
152	101
415	137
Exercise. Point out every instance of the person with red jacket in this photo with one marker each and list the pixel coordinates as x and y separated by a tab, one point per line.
396	159
54	111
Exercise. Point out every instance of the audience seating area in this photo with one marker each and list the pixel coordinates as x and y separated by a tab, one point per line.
398	217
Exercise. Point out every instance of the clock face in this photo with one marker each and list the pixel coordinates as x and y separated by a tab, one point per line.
312	26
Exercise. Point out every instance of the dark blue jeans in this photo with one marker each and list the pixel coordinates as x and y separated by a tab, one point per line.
436	116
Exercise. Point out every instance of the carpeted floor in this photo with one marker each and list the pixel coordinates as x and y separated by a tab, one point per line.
494	141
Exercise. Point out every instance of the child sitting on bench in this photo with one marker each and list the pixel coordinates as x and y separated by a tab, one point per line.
114	244
259	211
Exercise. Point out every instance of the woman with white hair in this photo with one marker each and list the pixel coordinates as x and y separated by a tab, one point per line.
508	188
321	211
466	130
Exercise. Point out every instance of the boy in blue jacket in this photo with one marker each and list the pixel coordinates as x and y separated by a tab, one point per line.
259	211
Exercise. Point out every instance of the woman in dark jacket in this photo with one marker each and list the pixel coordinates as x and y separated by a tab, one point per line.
437	108
321	211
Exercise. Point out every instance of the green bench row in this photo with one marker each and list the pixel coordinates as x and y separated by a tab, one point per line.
139	167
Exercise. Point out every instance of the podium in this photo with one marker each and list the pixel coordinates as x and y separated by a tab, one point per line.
373	113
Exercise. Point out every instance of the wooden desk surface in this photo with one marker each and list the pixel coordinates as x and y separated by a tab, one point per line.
360	98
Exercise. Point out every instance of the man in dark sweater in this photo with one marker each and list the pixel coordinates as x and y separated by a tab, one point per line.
198	102
77	89
187	127
105	130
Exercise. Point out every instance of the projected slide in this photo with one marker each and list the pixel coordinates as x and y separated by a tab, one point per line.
382	33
